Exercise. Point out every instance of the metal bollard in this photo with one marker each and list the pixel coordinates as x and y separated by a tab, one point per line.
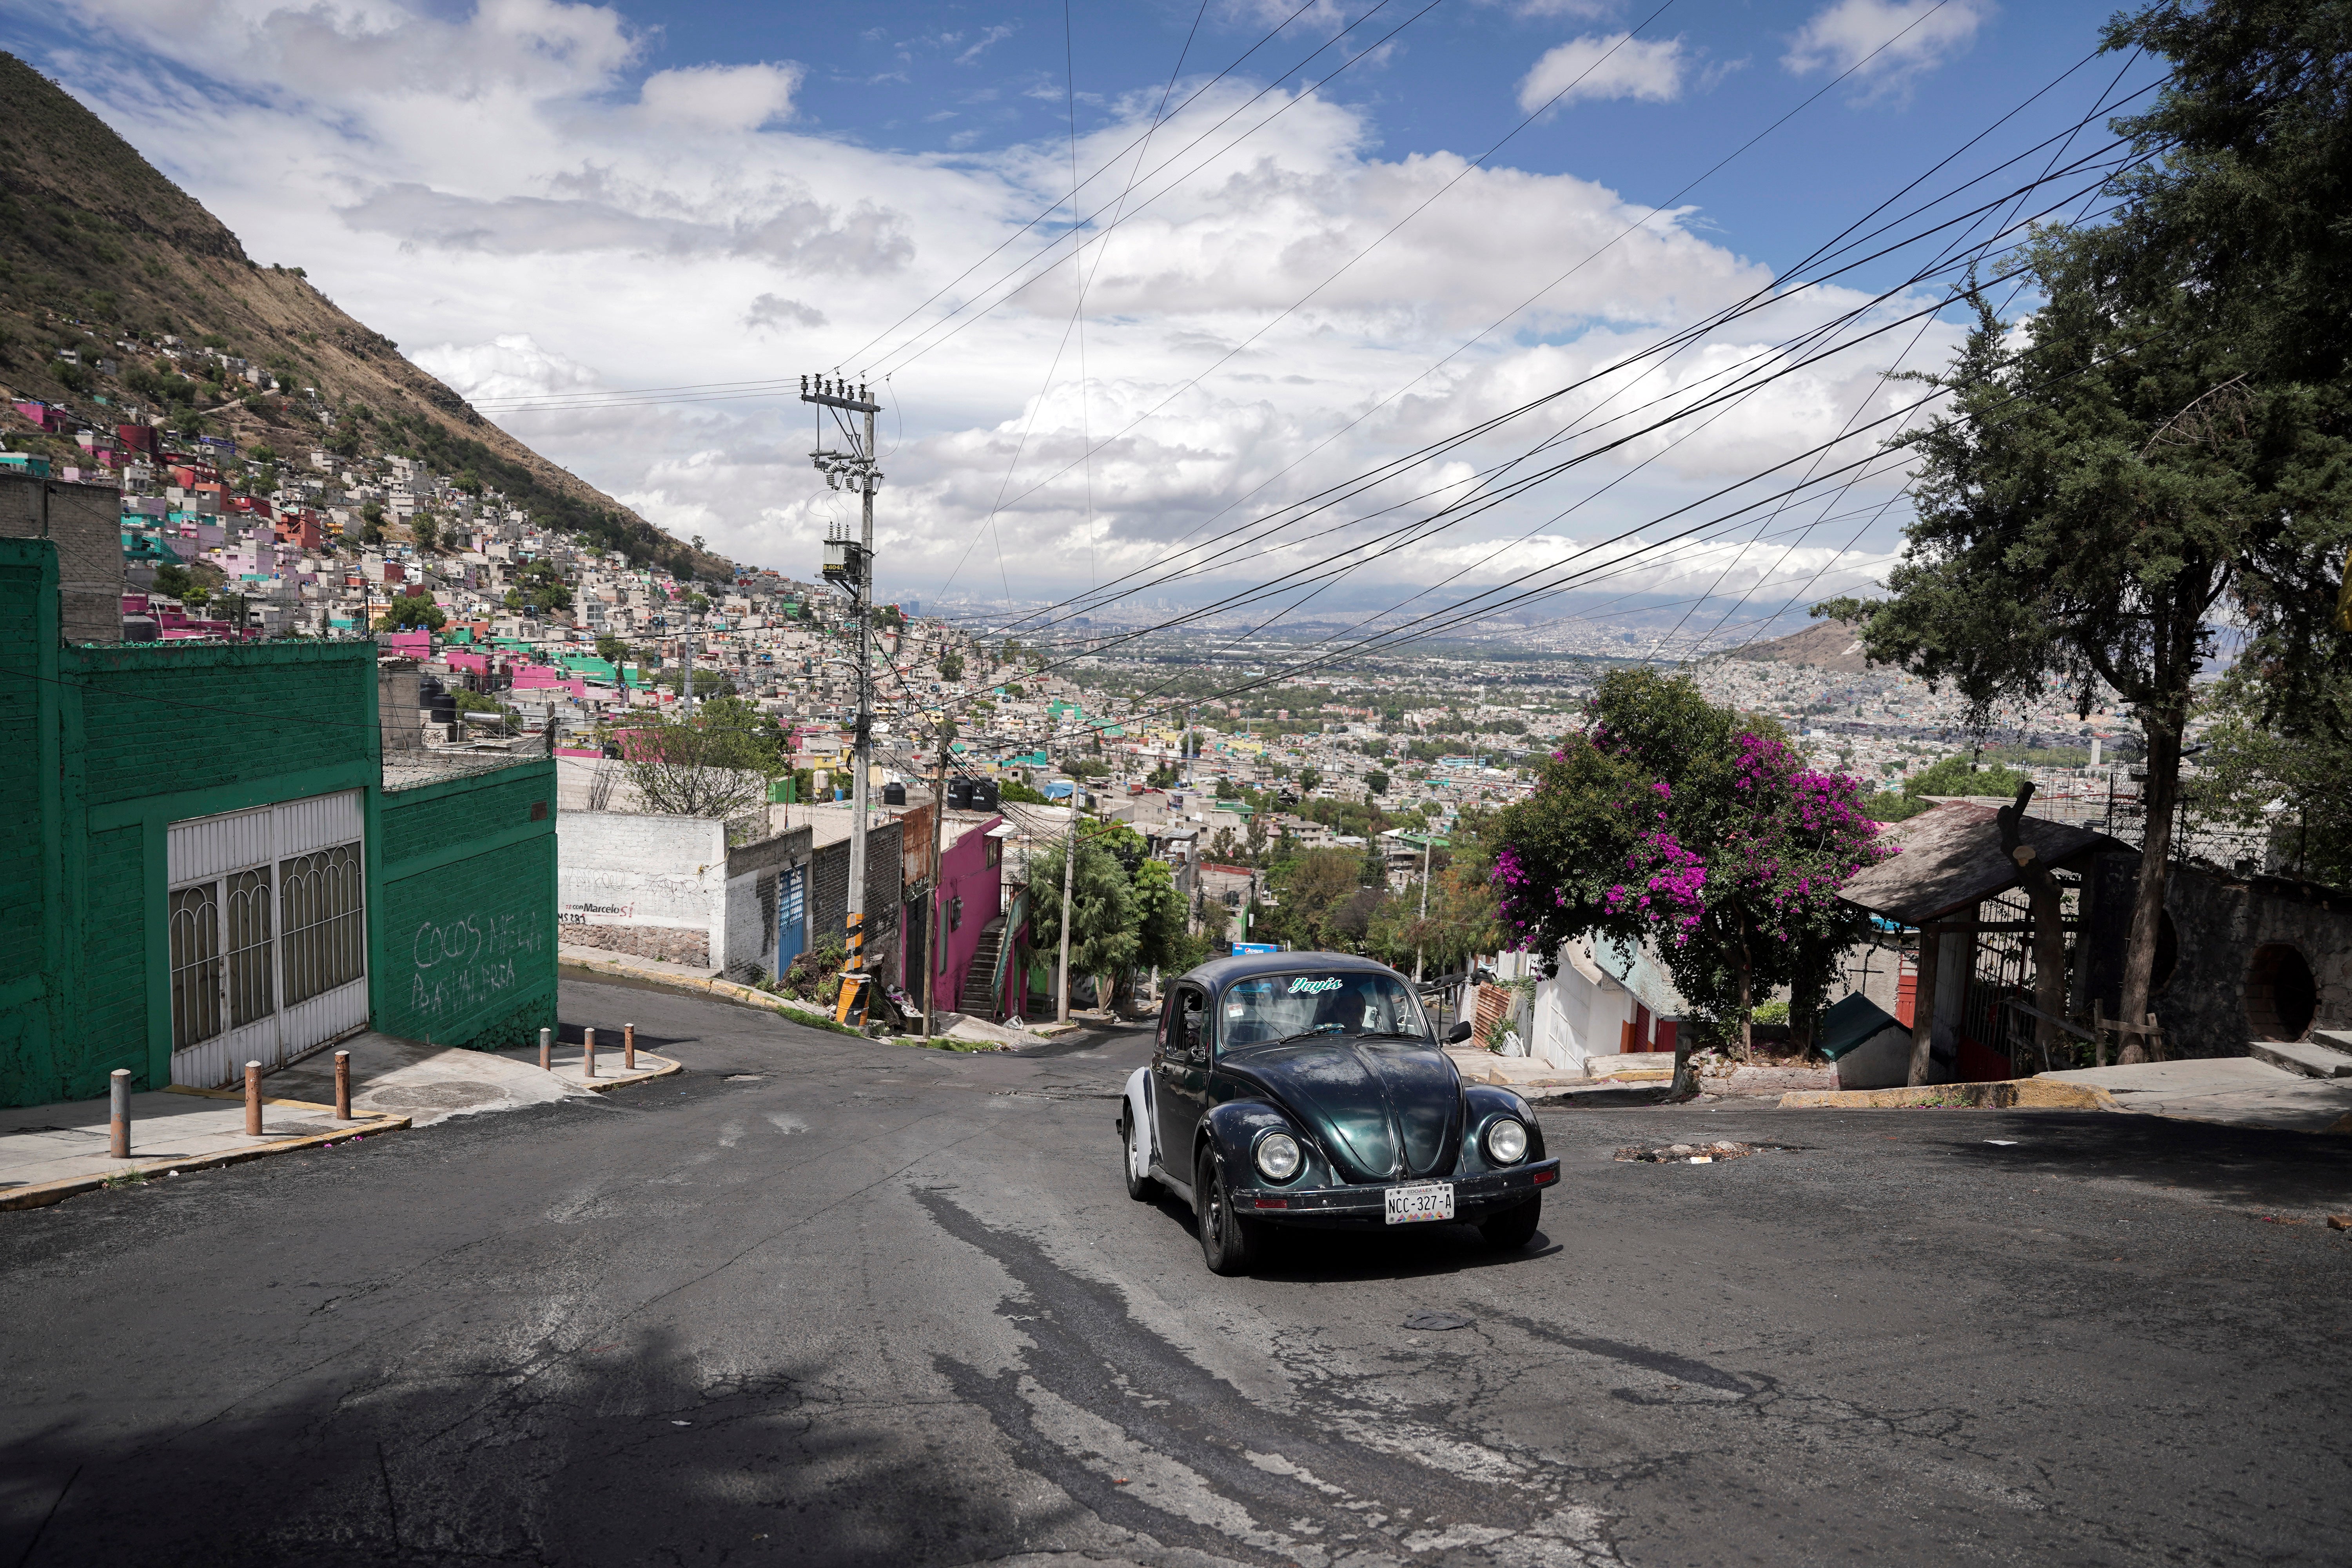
252	1099
546	1051
588	1053
343	1086
629	1047
118	1120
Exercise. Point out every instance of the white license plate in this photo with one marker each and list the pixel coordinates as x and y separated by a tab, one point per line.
1410	1206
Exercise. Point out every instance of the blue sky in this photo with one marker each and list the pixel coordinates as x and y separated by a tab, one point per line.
550	204
950	79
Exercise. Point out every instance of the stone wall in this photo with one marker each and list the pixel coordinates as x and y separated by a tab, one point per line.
2231	937
670	944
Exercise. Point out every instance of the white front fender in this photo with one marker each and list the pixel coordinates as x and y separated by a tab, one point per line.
1138	1112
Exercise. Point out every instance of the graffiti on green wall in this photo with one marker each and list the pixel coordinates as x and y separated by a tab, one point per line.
466	964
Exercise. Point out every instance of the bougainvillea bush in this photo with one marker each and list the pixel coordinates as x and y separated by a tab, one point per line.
1683	824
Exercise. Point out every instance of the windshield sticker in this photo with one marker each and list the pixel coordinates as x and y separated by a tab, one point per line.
1302	986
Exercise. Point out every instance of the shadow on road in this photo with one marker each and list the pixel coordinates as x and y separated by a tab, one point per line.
628	1452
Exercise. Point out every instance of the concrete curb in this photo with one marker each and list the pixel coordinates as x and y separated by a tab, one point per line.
2009	1094
602	1084
691	985
42	1194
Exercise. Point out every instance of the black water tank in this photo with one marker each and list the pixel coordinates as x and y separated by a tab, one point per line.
443	710
959	795
894	794
983	794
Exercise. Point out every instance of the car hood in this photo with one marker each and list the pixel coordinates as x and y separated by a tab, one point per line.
1383	1108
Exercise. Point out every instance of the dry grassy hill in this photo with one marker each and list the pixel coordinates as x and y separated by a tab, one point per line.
95	244
1831	644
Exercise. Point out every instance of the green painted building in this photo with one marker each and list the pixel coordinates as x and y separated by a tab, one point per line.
209	860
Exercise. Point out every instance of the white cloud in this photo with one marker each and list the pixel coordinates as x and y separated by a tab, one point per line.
1618	65
501	186
771	311
722	97
1899	40
1578	8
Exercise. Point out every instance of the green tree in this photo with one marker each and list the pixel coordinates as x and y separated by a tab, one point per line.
425	528
2283	787
2172	445
1102	902
614	651
173	580
1962	774
1312	893
1678	821
413	612
715	764
1376	781
951	667
1162	937
540	586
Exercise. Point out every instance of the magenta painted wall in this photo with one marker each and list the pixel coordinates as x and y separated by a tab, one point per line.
964	873
539	677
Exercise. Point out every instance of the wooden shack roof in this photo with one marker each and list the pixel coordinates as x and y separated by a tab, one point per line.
1951	857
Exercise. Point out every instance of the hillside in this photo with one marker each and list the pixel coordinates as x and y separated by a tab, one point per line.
1831	644
98	247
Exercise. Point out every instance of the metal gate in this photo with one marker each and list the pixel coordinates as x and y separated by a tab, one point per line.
268	935
791	916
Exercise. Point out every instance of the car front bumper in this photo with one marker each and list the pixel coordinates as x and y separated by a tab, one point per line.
1475	1197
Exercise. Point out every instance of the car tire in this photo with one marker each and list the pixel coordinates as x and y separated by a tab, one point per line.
1142	1189
1514	1228
1229	1243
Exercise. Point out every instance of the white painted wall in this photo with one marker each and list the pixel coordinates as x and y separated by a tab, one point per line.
618	869
1579	1013
749	939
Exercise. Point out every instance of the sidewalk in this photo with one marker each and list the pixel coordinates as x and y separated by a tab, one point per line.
2237	1092
603	963
48	1153
426	1084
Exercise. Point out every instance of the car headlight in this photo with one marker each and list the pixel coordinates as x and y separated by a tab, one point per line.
1507	1141
1278	1156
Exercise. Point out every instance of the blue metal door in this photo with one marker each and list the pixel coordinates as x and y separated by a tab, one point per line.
791	916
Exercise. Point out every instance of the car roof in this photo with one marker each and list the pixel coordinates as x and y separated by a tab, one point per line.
1219	973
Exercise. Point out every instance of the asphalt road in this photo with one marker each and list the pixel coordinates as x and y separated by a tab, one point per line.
821	1301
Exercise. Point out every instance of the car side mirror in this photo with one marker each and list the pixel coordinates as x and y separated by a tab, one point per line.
1459	1033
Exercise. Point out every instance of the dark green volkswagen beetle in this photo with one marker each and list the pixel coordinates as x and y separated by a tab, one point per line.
1308	1089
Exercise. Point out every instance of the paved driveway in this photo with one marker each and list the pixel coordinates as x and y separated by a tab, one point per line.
822	1301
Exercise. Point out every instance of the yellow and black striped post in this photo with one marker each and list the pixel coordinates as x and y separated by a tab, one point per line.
851	1007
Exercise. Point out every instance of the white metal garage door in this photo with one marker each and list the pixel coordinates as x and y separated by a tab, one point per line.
269	935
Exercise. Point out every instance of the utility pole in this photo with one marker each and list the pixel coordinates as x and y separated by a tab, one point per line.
1424	905
1069	867
849	566
938	906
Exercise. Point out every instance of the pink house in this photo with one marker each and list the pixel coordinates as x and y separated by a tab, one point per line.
546	677
971	890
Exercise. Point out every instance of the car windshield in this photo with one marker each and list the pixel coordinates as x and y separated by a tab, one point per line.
1270	1008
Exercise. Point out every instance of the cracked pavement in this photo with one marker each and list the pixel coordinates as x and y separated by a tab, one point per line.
821	1301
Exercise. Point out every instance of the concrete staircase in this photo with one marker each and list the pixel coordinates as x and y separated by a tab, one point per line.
976	994
2330	1055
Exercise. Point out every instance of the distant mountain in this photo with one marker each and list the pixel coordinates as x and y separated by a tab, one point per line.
1830	645
94	237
